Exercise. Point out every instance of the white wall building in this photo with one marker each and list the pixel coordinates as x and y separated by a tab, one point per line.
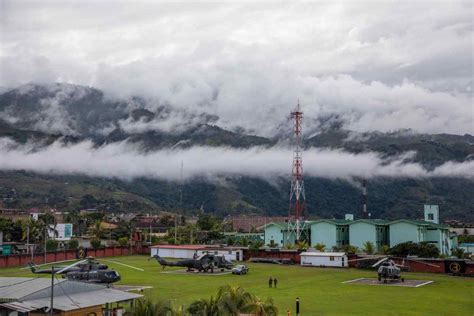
324	259
62	232
190	251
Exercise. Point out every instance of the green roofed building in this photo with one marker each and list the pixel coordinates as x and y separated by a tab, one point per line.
329	232
428	230
374	230
337	233
277	234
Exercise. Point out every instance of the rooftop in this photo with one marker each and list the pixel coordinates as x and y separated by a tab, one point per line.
28	294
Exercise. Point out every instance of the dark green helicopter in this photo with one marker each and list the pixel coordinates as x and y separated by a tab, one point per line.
204	263
87	270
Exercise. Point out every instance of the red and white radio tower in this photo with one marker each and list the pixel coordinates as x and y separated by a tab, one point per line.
297	195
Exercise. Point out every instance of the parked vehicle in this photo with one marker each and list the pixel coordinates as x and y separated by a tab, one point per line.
240	269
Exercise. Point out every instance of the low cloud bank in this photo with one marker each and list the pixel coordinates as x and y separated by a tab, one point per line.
127	161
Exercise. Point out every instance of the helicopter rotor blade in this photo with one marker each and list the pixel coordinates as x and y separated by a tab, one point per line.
71	266
379	262
49	263
428	264
369	258
123	264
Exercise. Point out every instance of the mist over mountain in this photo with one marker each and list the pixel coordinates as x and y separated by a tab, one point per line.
71	146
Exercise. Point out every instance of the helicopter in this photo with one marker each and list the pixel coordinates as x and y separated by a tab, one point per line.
204	263
87	270
389	270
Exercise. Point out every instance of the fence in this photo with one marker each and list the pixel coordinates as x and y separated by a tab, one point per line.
54	256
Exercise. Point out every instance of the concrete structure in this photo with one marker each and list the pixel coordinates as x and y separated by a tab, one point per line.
192	251
324	259
332	233
416	231
31	297
61	232
374	230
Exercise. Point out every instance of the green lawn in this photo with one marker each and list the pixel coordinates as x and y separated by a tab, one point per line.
321	291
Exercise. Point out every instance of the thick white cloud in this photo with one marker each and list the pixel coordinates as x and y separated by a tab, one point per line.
378	65
127	161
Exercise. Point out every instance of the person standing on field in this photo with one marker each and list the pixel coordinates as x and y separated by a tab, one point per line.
270	282
275	281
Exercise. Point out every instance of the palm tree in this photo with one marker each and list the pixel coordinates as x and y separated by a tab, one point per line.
302	245
368	247
204	307
97	231
320	246
36	230
233	299
261	308
146	307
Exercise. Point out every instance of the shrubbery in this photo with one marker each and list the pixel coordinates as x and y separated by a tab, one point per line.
422	250
96	243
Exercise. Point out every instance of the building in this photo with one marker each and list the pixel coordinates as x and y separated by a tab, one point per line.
324	259
32	297
374	230
336	233
252	223
61	232
332	233
277	234
427	230
193	251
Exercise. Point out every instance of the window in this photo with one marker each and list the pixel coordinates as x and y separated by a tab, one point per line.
331	258
431	216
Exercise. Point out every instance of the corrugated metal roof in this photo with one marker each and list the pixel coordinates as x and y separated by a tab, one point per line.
323	254
15	288
190	247
26	294
84	299
19	307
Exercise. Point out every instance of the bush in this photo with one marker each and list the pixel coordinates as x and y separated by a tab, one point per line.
96	243
123	241
73	244
422	250
51	245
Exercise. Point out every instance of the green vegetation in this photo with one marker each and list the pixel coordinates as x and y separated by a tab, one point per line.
95	243
321	290
423	250
369	247
73	244
51	245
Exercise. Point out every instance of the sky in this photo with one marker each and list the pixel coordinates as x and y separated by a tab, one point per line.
374	65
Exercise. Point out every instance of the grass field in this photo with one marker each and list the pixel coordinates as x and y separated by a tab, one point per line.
320	290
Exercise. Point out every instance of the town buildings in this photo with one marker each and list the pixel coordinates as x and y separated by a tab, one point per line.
335	234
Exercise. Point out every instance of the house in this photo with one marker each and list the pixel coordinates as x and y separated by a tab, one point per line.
32	297
374	230
332	233
324	259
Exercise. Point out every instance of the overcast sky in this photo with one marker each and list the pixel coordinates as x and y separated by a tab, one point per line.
379	66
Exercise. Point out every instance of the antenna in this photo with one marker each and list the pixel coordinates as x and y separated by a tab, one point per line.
297	194
364	199
181	186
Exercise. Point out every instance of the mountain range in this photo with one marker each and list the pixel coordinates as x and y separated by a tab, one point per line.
38	116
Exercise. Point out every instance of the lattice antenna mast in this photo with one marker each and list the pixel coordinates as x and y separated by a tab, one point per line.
297	194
